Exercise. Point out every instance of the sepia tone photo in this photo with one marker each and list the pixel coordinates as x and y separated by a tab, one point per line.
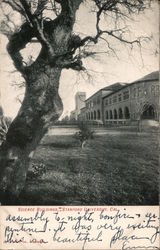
79	102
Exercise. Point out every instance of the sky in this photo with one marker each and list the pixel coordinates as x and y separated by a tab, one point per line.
103	70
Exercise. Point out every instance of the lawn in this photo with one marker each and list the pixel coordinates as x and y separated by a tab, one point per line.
115	168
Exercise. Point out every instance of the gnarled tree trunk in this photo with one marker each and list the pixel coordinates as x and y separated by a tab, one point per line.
41	105
40	108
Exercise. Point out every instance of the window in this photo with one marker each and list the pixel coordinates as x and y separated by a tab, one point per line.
139	92
106	102
94	101
110	100
94	115
114	99
120	97
98	100
157	89
126	95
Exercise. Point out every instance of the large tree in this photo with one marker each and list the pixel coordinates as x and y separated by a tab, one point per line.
61	49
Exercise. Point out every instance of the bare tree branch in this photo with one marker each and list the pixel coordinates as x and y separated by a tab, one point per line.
17	42
115	7
38	26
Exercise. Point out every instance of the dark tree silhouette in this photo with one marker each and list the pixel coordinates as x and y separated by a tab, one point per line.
60	49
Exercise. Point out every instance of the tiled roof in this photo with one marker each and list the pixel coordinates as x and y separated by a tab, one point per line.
113	87
152	76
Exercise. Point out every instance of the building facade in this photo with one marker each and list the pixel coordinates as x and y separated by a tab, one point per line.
94	104
136	101
80	98
82	115
121	103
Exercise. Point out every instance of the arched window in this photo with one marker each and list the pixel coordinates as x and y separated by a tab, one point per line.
98	115
120	113
126	113
91	115
115	114
94	115
110	114
106	115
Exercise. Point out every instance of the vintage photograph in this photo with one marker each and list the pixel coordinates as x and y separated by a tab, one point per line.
79	102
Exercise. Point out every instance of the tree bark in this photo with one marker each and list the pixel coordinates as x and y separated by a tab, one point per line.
40	108
42	105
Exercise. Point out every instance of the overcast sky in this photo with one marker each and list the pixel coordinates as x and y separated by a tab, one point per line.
105	70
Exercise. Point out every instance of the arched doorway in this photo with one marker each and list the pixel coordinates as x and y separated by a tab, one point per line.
91	115
120	113
148	112
126	113
106	115
110	114
98	115
115	114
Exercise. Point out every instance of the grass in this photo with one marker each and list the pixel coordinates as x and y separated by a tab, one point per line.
112	169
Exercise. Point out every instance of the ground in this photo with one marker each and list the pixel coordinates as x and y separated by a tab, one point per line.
114	168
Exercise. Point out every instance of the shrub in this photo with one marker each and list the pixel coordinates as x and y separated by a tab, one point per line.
37	170
85	133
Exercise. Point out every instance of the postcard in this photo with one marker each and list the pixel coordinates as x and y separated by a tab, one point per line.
79	124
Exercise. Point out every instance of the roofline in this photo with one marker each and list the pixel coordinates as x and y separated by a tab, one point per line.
132	83
104	89
116	91
144	80
93	95
83	108
125	86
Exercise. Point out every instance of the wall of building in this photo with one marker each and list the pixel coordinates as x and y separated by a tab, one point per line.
124	103
94	106
117	107
82	115
145	96
80	98
139	100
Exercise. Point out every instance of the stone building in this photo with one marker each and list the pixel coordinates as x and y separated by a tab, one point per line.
82	115
136	101
80	98
94	104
